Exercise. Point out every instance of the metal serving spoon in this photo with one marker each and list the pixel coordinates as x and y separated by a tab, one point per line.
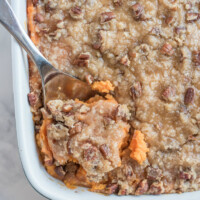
55	84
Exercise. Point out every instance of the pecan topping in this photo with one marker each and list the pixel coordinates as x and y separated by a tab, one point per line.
125	60
117	2
67	108
38	18
89	79
82	60
189	96
156	188
136	90
169	20
138	11
90	153
112	188
196	58
76	12
191	17
153	173
32	98
185	176
128	171
76	129
96	45
142	187
106	16
60	171
35	2
48	7
168	93
167	49
105	150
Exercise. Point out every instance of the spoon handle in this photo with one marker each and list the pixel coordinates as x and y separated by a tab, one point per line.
11	23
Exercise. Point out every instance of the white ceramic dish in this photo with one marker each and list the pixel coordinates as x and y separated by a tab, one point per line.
34	171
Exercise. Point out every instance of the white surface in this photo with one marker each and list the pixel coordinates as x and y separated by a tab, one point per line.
13	183
35	172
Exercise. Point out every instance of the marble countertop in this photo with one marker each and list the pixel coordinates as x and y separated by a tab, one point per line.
13	184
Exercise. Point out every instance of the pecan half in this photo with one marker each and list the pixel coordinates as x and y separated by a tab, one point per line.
168	93
167	49
32	99
105	150
142	187
106	17
76	12
196	58
60	172
138	11
90	153
189	96
136	90
82	60
191	17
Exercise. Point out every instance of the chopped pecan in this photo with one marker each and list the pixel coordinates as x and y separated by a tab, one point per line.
138	11
60	171
117	2
90	153
106	16
112	188
38	18
142	187
123	192
125	60
35	2
153	173
67	108
76	129
156	188
169	20
136	90
189	96
76	12
32	98
82	60
168	93
191	17
97	45
167	49
128	171
105	150
89	79
185	176
196	58
179	29
48	7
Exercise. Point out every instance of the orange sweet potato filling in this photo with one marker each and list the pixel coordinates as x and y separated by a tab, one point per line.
138	147
103	86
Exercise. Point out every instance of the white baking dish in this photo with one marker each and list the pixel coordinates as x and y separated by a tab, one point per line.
34	171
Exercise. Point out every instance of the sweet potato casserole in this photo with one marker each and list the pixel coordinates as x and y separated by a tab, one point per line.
141	134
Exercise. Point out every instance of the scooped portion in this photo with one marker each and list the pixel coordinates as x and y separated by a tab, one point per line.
91	134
